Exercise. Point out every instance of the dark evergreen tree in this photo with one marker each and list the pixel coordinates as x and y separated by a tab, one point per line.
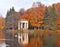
8	12
50	19
12	18
13	9
46	19
53	18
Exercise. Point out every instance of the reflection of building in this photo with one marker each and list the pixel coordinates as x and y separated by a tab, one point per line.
23	37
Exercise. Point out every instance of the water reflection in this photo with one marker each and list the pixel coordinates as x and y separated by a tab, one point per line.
3	45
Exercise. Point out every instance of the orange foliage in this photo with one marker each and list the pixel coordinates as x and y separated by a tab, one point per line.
37	15
25	16
34	42
58	41
57	8
2	23
58	21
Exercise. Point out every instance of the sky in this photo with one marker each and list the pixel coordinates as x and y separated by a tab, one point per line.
18	4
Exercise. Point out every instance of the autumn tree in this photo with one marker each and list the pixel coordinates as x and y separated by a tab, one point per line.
37	15
2	23
25	16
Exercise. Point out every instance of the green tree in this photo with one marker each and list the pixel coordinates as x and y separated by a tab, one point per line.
50	19
46	19
12	18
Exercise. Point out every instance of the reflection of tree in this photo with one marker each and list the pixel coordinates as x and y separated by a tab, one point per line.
36	39
50	39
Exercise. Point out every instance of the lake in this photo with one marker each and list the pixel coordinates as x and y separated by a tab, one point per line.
2	45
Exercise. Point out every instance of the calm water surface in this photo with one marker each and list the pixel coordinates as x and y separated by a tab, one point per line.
3	45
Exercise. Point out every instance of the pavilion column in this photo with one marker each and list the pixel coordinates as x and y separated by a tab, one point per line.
19	37
25	40
21	25
18	25
27	25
